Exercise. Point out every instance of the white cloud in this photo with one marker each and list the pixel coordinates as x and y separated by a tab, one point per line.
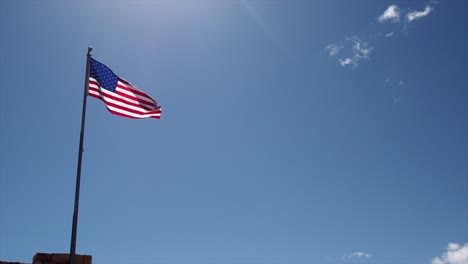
454	254
353	50
453	246
360	50
356	50
347	61
391	14
357	254
418	14
333	49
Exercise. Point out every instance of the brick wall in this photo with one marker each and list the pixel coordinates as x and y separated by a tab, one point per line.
44	258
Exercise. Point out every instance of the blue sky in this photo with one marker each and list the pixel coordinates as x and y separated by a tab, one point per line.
292	132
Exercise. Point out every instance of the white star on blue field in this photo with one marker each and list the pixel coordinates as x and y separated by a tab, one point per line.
292	132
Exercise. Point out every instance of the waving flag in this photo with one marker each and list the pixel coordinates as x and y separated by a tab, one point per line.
121	97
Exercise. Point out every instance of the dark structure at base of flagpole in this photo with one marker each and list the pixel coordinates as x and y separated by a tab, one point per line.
80	155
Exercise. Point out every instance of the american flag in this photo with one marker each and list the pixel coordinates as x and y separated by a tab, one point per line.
121	97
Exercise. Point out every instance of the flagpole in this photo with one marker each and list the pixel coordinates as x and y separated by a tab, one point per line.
80	156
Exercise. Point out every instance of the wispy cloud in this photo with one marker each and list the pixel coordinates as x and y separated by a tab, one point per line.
454	254
333	49
353	50
357	254
356	50
418	14
391	14
361	50
347	61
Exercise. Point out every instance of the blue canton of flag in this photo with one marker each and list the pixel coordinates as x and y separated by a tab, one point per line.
103	75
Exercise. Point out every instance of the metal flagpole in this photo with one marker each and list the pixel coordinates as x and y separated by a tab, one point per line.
80	155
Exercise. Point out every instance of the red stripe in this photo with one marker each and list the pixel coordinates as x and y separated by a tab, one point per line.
151	111
128	110
151	102
129	116
120	114
95	96
143	111
122	100
156	111
124	115
146	106
133	89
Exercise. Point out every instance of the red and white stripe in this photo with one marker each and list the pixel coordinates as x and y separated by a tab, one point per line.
126	100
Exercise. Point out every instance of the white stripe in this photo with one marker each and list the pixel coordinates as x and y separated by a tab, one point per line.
146	98
101	92
131	114
107	99
94	92
104	92
147	101
115	109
